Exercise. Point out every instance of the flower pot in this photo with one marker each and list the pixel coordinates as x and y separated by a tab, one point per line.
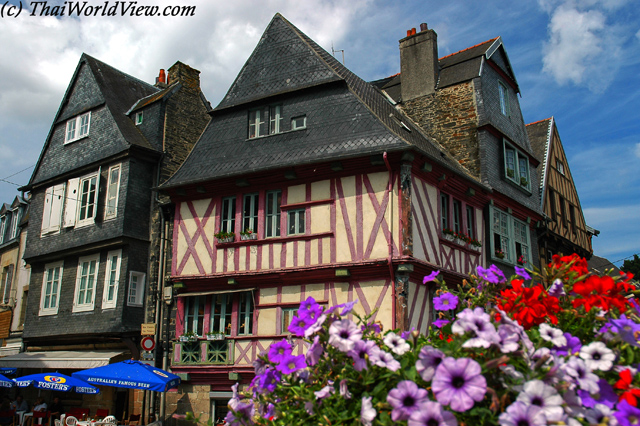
187	338
475	248
246	237
460	241
225	240
215	336
449	237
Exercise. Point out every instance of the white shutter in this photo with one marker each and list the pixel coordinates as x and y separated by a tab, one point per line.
71	203
46	211
56	207
95	208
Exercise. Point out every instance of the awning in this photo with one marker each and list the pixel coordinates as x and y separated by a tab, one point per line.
61	359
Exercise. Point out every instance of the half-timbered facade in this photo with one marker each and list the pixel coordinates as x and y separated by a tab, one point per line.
307	182
564	231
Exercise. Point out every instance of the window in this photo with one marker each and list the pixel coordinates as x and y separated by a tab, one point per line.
572	215
113	186
470	222
136	288
275	119
560	167
287	317
255	124
563	212
457	216
139	118
296	221
444	211
50	296
194	315
52	209
3	227
15	218
510	237
552	204
250	213
516	166
77	127
23	309
87	200
228	220
245	313
111	279
272	213
86	278
7	279
504	98
221	313
299	122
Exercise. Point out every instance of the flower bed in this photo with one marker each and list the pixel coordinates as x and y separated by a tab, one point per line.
563	349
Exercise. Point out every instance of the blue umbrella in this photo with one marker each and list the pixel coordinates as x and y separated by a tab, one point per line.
56	382
6	383
130	374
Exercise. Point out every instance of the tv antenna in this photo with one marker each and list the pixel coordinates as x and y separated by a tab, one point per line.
333	52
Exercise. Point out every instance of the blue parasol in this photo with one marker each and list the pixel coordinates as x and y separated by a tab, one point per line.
6	382
130	374
56	382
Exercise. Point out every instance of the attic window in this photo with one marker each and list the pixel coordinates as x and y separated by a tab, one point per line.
560	167
504	98
139	118
298	123
77	128
516	166
255	123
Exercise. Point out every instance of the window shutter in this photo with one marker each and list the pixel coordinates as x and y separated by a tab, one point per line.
46	211
7	285
71	203
56	207
95	208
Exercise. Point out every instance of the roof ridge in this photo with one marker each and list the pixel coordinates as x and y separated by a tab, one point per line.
119	71
539	121
468	48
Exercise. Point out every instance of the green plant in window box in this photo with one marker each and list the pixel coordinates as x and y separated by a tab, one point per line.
511	173
248	234
521	260
475	244
499	254
189	336
462	237
224	237
448	234
215	335
524	181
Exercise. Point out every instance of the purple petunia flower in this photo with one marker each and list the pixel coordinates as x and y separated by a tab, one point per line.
325	391
428	360
361	351
405	399
520	414
605	396
268	380
310	307
373	326
551	334
396	343
493	274
299	324
523	273
386	360
509	338
476	321
344	390
279	350
573	346
431	413
431	277
445	302
626	328
291	363
315	352
577	369
440	322
367	412
557	289
343	334
627	414
536	392
597	356
458	383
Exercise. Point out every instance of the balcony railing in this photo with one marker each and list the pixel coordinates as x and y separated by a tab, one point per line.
201	352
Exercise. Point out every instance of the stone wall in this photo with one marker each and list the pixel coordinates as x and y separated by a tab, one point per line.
450	116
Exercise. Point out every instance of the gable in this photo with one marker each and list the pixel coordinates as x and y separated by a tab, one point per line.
84	94
281	62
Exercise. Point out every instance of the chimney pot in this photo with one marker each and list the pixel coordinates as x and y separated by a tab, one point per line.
408	33
162	76
413	31
423	27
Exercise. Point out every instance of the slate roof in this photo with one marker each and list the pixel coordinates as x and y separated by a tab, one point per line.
118	92
539	134
455	68
285	61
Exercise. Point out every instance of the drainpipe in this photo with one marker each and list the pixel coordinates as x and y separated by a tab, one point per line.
162	270
159	294
390	241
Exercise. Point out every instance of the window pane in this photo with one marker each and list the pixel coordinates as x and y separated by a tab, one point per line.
296	221
71	129
457	216
510	156
272	216
275	119
470	222
84	125
522	167
228	214
245	313
444	210
112	191
250	213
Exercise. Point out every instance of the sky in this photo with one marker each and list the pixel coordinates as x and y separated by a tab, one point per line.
575	60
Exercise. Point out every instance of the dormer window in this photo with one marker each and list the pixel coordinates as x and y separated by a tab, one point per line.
139	118
255	123
275	119
504	98
298	123
516	166
77	128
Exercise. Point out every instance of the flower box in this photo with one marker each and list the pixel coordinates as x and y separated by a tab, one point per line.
449	237
246	237
475	248
225	240
460	241
217	336
187	338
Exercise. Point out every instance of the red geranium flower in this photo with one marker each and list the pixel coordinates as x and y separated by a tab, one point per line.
529	306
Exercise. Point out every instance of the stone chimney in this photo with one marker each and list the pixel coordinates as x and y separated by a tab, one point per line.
189	77
418	63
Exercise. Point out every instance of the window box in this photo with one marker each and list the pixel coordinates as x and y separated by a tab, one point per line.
475	248
460	241
248	234
499	254
224	237
216	336
188	337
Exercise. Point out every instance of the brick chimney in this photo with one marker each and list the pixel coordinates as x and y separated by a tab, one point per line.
189	77
418	63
